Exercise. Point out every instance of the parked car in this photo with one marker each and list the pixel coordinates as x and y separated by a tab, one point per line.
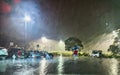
17	53
34	54
48	55
51	55
40	54
96	53
3	53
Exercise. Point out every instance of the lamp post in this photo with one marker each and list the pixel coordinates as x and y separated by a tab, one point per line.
44	40
27	19
61	46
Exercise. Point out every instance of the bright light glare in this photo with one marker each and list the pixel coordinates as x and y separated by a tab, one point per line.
105	40
61	45
44	39
115	33
27	18
61	41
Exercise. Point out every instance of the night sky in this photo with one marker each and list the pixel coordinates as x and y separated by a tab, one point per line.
60	19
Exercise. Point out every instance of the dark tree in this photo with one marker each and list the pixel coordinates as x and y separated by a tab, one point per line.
71	42
114	49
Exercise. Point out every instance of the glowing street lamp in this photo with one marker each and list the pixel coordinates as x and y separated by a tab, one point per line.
27	19
115	33
44	40
61	45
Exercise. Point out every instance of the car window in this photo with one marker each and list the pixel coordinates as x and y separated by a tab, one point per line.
1	48
94	52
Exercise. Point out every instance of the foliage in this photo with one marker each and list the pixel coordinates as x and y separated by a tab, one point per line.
71	42
83	54
69	54
114	49
64	53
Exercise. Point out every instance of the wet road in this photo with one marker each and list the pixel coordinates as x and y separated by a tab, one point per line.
60	66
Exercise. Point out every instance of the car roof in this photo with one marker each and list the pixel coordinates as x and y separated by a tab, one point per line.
1	47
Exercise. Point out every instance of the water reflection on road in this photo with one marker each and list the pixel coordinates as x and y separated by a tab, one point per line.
111	66
43	67
60	65
114	67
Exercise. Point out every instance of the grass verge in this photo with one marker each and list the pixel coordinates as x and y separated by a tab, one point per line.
70	53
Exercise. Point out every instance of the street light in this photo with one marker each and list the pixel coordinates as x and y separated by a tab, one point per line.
115	33
44	40
61	45
27	19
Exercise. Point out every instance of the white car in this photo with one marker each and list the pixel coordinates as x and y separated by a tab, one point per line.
3	52
95	53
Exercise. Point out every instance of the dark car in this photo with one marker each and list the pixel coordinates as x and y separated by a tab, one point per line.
34	54
17	52
48	55
39	54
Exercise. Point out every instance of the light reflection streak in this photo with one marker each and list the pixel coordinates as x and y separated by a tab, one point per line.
24	72
43	67
60	65
22	68
114	67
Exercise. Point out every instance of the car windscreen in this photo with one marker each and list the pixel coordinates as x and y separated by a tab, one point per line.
94	52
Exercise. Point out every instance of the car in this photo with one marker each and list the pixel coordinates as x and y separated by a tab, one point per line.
3	53
48	55
51	55
40	54
96	53
34	54
16	53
